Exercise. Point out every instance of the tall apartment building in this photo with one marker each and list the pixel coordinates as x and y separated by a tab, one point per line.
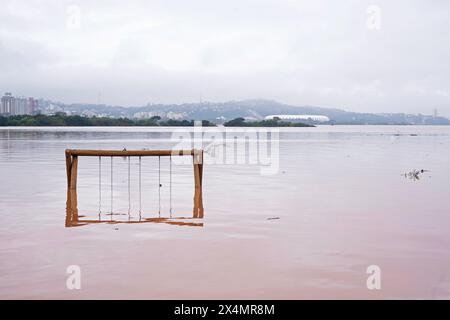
32	105
17	105
20	106
7	103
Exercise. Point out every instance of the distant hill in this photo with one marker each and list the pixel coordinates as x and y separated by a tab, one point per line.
220	112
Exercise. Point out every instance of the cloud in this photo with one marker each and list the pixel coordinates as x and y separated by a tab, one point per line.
299	52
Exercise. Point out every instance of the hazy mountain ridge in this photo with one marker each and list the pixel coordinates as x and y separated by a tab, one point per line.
257	108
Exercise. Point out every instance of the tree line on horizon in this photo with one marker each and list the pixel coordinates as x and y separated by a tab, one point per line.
61	119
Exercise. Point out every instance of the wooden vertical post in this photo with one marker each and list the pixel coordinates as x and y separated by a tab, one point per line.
198	175
68	167
73	187
201	185
72	201
196	184
68	202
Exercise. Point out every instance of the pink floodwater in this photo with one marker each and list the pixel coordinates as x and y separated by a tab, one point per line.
337	204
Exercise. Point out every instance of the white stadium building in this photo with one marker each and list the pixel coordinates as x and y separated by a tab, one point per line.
298	117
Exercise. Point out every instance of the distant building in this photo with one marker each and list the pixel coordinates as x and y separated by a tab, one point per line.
33	106
146	115
20	106
13	106
299	117
7	104
175	115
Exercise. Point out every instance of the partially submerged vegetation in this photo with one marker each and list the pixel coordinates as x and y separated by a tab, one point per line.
61	119
241	122
414	174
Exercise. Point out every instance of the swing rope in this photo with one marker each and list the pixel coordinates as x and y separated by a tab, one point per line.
99	185
159	186
111	186
129	187
140	187
170	184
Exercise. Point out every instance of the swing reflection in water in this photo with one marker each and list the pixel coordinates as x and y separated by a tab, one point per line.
75	221
73	218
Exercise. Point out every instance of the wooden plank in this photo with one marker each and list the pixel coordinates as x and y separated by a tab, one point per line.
126	153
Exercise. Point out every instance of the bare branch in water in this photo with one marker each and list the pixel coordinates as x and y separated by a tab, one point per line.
414	174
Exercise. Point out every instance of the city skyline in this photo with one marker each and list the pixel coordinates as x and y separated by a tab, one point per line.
34	102
249	110
18	105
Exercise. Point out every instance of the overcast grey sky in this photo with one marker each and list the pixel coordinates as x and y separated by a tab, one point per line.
344	54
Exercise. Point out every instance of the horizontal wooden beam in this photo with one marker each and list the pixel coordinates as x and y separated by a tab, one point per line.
131	153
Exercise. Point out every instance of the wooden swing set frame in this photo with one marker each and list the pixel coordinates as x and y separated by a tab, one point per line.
72	172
